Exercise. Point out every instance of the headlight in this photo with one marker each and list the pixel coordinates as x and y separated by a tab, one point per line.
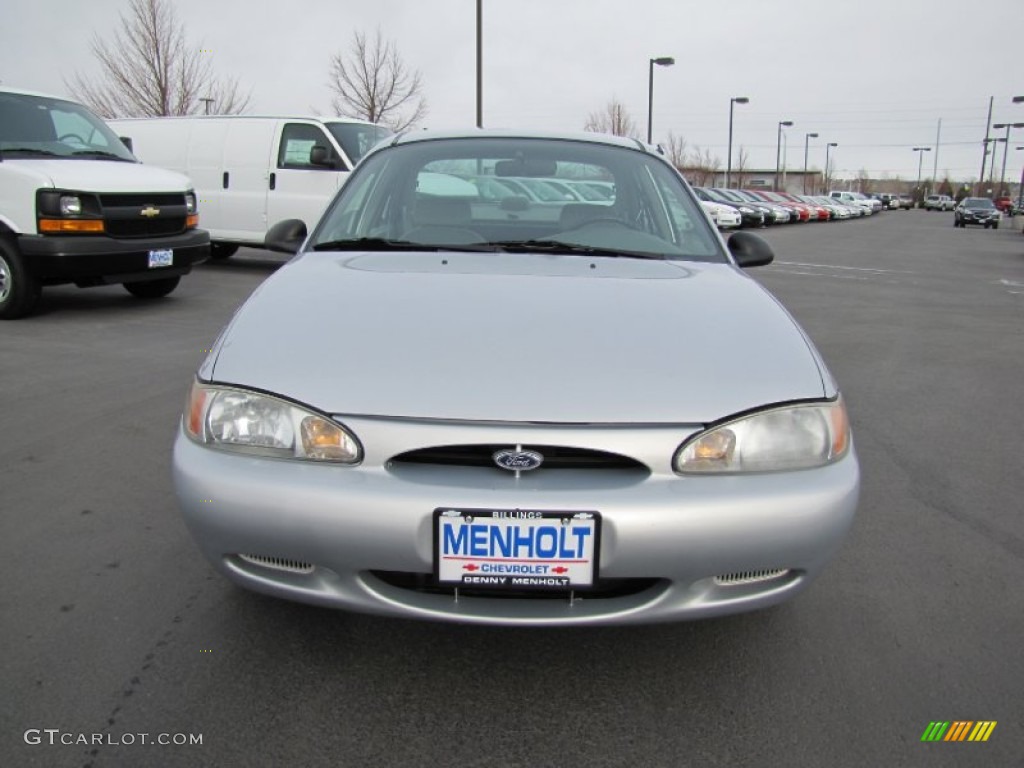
70	205
248	422
190	203
793	437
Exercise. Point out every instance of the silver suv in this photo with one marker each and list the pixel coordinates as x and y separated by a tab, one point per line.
939	203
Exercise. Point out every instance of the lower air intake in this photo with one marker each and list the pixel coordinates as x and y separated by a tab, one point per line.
749	577
278	563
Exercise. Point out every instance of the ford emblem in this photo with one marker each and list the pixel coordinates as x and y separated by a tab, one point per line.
518	461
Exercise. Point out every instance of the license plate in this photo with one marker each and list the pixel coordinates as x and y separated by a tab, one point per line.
162	258
516	549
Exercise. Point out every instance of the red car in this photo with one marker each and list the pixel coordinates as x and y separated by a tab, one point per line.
1004	204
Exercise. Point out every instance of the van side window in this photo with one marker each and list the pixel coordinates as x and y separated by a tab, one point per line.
297	141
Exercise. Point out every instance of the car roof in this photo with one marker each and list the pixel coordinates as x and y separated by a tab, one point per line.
410	137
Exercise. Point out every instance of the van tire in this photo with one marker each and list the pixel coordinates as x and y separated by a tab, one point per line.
19	291
220	251
152	289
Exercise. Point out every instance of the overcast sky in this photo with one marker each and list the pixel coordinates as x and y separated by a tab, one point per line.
874	76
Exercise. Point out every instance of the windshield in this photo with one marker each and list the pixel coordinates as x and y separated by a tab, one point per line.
496	194
41	126
357	138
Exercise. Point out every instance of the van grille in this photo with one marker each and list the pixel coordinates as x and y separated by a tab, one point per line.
122	214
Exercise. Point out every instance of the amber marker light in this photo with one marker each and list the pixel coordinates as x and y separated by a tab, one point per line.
78	226
191	222
196	409
840	428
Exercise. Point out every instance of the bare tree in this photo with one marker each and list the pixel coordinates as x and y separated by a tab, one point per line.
675	151
149	69
742	160
703	167
374	84
614	119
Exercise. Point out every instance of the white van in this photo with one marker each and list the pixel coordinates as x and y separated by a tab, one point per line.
76	207
252	172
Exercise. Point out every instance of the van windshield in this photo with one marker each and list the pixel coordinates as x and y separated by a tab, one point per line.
357	138
42	126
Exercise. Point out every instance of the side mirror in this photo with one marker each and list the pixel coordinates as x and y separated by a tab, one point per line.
749	250
321	156
127	141
286	236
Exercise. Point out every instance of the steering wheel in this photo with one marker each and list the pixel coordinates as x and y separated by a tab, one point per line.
72	136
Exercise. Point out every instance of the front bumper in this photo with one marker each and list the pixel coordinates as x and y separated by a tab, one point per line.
102	260
360	538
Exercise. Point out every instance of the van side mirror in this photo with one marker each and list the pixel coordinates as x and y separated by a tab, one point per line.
321	156
286	236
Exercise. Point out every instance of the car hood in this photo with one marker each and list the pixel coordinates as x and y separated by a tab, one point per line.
89	175
514	337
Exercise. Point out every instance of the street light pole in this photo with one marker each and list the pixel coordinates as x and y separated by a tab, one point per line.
807	138
479	64
663	61
728	162
920	156
827	148
1006	150
778	151
1020	189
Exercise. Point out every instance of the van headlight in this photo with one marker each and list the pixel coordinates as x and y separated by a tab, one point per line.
233	419
788	438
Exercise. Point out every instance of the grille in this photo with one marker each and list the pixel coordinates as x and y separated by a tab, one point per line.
555	457
749	577
427	583
122	214
278	563
145	227
140	199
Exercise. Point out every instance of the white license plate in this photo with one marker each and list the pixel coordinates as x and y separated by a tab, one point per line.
162	258
516	549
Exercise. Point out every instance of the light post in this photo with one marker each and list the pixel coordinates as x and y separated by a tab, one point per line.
807	137
1006	150
728	163
479	64
778	151
920	156
206	104
827	148
663	61
1020	189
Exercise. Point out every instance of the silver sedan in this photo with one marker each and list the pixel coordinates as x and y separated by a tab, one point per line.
504	411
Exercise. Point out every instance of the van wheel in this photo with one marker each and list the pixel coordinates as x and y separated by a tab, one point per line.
220	251
19	291
152	289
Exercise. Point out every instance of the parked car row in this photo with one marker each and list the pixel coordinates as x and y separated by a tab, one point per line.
761	208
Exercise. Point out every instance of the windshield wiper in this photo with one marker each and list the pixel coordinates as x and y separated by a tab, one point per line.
558	246
383	244
101	153
31	151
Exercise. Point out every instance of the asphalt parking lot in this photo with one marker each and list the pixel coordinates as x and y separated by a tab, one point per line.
114	626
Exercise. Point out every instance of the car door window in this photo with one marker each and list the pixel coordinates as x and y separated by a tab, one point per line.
297	141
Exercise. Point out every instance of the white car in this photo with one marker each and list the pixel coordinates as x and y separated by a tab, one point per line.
724	216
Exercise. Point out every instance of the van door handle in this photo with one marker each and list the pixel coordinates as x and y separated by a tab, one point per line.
273	181
224	181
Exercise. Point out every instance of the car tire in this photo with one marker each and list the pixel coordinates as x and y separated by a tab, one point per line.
220	251
995	226
152	289
19	291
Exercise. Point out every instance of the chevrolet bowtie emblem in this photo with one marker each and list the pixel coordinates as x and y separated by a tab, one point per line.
149	212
